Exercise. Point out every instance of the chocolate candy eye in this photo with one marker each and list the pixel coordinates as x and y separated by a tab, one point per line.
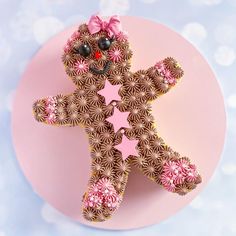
84	50
104	43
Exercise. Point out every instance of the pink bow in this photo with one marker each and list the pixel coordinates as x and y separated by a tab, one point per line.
112	27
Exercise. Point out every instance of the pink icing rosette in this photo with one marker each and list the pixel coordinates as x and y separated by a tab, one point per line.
102	193
50	109
115	54
165	73
81	67
177	172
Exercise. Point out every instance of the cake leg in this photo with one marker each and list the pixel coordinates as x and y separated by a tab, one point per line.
164	166
109	175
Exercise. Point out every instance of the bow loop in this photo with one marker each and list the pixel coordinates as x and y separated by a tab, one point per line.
112	27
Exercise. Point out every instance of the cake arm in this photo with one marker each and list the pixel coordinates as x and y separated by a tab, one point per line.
165	74
56	110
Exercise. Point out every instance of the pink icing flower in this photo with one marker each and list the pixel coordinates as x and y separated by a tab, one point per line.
81	67
174	172
171	168
179	178
93	200
177	172
160	67
70	41
168	78
165	73
75	36
51	100
167	179
51	118
170	187
102	193
68	45
183	164
122	36
105	186
191	173
66	48
111	201
168	182
94	189
50	109
115	54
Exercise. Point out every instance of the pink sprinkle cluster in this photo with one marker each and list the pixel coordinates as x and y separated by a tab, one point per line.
50	108
102	193
71	40
165	73
122	36
115	54
81	67
177	172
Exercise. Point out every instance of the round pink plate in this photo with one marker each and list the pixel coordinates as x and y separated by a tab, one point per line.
190	118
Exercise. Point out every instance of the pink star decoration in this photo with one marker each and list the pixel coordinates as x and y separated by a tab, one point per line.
127	147
119	119
110	92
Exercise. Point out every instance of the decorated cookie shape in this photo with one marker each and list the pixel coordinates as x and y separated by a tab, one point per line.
113	105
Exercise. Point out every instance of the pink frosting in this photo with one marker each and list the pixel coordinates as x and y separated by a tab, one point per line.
81	67
192	173
122	36
115	54
177	172
102	193
75	36
50	109
165	73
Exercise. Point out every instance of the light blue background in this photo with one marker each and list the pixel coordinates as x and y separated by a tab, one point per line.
26	24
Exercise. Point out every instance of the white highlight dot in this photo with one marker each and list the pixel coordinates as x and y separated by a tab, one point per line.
74	19
22	65
229	169
22	25
231	101
5	50
194	32
224	56
71	229
232	226
108	7
225	34
232	2
3	214
197	203
51	215
2	182
46	27
148	1
205	2
9	100
62	224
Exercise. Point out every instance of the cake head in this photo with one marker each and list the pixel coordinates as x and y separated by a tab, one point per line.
98	49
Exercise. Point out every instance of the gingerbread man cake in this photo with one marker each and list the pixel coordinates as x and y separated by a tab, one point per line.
113	104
